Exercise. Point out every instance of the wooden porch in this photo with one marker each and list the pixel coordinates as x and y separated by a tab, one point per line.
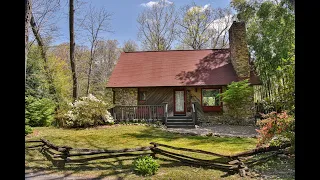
152	113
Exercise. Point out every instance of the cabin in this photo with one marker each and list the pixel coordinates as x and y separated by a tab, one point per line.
180	87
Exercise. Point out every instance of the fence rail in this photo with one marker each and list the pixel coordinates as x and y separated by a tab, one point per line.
223	162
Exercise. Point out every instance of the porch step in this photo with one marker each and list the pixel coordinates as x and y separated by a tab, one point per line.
180	126
179	117
179	120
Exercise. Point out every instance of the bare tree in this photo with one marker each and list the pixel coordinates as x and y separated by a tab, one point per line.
43	50
82	56
203	27
157	26
220	26
72	47
194	23
27	17
130	46
95	22
107	54
46	16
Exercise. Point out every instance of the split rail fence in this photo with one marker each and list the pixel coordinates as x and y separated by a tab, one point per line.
237	162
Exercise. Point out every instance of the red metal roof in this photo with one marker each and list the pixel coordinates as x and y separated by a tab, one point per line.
173	68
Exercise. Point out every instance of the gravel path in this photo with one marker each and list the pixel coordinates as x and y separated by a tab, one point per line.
219	130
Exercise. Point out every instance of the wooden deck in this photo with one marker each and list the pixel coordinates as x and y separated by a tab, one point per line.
141	112
153	113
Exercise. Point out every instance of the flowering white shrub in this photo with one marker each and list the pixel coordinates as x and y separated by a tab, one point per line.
88	111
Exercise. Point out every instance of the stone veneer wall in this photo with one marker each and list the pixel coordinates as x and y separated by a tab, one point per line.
126	96
129	96
239	52
213	118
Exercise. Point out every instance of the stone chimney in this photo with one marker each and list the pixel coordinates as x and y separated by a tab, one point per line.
239	52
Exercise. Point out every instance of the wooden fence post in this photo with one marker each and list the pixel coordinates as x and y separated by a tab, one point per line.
153	149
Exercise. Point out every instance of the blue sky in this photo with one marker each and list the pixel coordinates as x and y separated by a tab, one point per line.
124	18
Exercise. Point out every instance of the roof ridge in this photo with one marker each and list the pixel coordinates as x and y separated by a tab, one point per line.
178	50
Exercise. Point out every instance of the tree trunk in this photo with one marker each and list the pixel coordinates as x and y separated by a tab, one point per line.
72	47
90	69
35	30
27	16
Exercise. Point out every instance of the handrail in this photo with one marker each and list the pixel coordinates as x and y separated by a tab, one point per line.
194	113
193	108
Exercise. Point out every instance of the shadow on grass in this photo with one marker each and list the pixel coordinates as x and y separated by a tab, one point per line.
113	166
153	134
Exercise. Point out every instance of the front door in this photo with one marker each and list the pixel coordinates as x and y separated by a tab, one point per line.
179	102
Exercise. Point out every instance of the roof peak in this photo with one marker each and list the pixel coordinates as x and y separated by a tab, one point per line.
177	50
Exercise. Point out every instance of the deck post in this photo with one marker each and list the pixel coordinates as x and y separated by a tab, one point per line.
150	114
194	113
121	113
165	109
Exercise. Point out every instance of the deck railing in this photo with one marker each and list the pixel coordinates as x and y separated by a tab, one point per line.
139	112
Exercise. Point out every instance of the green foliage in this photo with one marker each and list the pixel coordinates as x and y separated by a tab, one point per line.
237	96
28	130
62	78
145	165
210	97
39	112
36	84
271	40
88	111
276	129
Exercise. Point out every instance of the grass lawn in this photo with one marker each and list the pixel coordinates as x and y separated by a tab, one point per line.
130	136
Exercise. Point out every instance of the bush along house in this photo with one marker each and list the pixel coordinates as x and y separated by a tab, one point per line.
180	87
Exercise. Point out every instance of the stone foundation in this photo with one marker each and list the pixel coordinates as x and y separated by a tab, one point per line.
126	96
212	118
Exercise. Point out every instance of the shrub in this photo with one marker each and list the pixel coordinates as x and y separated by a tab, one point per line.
28	130
88	111
237	98
143	121
145	165
39	112
276	129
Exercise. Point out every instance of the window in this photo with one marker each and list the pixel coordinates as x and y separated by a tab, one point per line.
210	100
142	95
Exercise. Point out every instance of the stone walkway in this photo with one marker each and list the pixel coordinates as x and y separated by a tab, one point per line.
219	130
